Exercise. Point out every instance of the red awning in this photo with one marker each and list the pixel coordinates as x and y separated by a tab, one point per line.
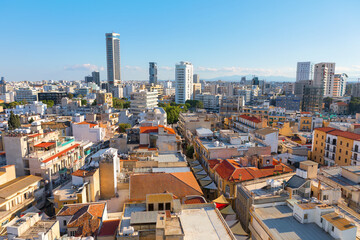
44	144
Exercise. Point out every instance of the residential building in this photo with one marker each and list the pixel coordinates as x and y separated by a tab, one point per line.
267	136
302	221
8	97
184	82
231	105
31	226
113	59
196	78
196	90
17	194
331	146
153	73
163	216
142	100
54	96
30	109
247	124
324	77
340	108
104	98
355	90
306	122
160	137
86	131
304	71
82	219
339	85
211	102
156	115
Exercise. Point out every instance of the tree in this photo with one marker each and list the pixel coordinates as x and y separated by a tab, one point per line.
14	121
49	103
194	104
190	151
123	126
354	105
83	102
70	95
94	103
31	120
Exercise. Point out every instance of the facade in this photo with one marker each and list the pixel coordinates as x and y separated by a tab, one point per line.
312	99
184	82
324	77
289	102
267	136
102	98
196	78
113	59
161	137
28	95
211	102
339	85
153	73
247	124
331	146
339	108
85	131
32	108
96	78
54	96
231	105
142	100
304	71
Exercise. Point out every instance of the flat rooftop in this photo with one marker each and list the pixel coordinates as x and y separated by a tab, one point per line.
283	225
334	174
39	227
203	223
209	144
169	157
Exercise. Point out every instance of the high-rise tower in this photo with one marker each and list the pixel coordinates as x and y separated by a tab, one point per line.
113	59
153	73
184	82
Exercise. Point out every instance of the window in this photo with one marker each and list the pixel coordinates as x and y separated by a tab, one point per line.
321	220
72	233
340	142
339	158
332	228
347	145
347	152
340	150
161	206
325	197
345	160
167	206
151	207
305	216
64	222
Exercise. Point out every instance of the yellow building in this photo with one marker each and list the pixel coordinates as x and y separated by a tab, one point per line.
332	146
305	122
102	98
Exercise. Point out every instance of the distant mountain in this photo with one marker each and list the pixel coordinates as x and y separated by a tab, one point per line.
236	78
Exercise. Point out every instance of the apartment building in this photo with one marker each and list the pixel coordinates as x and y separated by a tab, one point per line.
331	146
86	131
142	100
104	98
211	102
247	124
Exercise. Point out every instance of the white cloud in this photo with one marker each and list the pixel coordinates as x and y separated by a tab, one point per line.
84	67
166	68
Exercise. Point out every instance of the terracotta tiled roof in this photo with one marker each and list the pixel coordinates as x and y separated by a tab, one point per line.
109	227
325	129
156	129
86	217
341	104
252	119
196	200
213	162
349	135
83	173
232	171
44	144
180	184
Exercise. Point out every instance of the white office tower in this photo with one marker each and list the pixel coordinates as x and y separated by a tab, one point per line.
184	82
304	71
153	73
142	100
324	76
113	59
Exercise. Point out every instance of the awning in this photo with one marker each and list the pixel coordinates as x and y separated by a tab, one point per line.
221	200
44	144
238	230
204	183
211	186
198	167
62	171
228	210
200	176
207	178
194	163
197	170
201	172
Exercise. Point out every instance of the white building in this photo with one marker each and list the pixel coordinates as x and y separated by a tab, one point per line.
324	76
113	58
339	85
84	131
8	97
304	71
211	102
142	100
184	82
33	108
268	136
157	116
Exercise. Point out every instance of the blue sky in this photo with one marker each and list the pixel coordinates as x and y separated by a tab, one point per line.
66	39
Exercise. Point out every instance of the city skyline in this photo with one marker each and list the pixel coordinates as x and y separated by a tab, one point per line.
243	42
